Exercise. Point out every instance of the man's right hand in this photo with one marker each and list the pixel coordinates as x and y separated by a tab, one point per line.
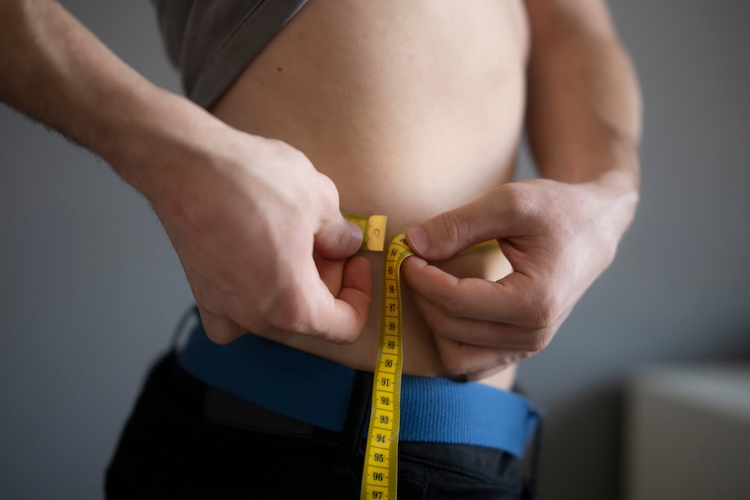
256	227
245	216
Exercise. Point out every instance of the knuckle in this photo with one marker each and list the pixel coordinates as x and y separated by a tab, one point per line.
296	321
216	337
250	322
449	304
292	321
544	316
452	227
327	195
328	188
291	312
535	343
442	327
524	355
219	332
282	151
609	255
290	153
518	198
545	311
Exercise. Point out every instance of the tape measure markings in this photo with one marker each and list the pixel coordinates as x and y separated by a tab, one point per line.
373	230
380	472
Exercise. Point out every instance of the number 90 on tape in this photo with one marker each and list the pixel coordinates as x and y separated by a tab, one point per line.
380	472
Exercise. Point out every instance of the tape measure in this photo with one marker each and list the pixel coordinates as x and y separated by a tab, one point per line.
373	230
380	472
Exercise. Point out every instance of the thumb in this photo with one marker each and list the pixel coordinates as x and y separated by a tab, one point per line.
337	238
451	232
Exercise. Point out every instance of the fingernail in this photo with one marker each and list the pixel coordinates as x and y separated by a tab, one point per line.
418	240
357	236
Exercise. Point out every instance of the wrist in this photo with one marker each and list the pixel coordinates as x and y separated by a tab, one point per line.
608	175
615	196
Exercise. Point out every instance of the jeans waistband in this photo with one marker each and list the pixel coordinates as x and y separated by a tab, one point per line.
317	391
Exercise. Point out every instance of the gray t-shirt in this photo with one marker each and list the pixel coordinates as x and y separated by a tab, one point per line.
213	41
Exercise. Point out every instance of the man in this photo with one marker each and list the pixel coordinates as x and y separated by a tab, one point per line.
408	109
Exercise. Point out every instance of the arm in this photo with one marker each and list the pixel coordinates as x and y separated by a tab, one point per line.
559	232
584	113
218	192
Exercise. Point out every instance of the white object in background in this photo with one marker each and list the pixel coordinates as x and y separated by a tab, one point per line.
688	433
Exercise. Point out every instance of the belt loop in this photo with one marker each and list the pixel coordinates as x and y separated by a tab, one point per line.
355	428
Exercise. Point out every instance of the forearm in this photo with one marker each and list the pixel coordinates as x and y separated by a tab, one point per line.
56	71
216	190
584	114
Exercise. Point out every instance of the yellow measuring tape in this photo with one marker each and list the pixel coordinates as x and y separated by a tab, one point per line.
373	230
380	473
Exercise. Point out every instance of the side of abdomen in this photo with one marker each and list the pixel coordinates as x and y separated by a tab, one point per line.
411	108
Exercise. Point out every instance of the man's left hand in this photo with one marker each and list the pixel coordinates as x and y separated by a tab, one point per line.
558	237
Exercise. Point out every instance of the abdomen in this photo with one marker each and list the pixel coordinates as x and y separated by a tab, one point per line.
412	108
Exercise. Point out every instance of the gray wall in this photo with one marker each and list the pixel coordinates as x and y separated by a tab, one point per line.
679	288
90	288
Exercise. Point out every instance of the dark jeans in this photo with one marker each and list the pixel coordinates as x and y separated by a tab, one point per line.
170	448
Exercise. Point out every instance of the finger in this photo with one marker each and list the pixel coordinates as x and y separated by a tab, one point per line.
465	360
514	300
331	272
218	329
339	319
492	216
338	238
345	319
482	333
357	276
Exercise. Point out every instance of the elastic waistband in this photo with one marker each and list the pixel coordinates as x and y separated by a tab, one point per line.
317	391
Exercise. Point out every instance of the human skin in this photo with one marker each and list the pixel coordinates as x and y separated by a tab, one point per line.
559	232
424	129
420	120
216	190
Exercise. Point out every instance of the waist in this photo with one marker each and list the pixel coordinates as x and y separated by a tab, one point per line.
403	136
422	354
317	391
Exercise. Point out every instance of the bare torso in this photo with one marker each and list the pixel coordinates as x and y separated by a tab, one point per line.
412	108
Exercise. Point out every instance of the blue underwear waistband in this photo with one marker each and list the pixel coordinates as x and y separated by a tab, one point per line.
317	391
